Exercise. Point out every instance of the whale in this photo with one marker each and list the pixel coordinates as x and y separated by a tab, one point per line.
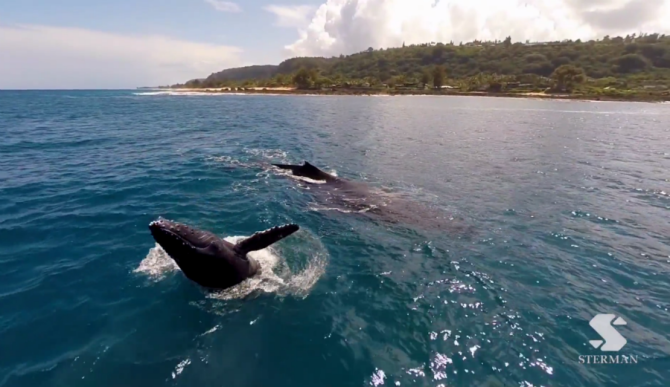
349	196
209	260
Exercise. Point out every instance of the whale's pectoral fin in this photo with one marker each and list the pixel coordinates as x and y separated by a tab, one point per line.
263	239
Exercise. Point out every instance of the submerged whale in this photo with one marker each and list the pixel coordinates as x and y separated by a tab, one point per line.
345	195
210	261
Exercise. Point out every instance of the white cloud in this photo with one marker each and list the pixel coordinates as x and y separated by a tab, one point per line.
297	16
347	26
224	6
35	56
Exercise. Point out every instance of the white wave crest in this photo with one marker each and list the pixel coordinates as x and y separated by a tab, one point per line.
152	93
183	93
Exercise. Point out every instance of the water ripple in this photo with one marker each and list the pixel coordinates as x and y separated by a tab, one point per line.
567	203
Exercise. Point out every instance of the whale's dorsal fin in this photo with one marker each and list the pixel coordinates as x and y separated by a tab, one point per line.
307	170
263	239
318	174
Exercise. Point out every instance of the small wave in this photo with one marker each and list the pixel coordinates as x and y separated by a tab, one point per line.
270	154
180	93
276	275
230	162
315	207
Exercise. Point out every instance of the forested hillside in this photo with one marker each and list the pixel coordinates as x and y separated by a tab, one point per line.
243	73
632	58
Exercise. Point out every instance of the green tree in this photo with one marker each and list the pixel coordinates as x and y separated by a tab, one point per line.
323	82
425	78
567	76
507	42
398	80
280	80
495	86
438	53
438	76
631	63
304	78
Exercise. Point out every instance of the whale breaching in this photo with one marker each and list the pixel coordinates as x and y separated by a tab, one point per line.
210	261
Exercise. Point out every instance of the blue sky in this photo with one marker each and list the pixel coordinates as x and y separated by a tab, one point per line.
195	20
128	43
253	27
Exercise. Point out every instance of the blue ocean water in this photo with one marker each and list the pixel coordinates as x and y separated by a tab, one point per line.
566	203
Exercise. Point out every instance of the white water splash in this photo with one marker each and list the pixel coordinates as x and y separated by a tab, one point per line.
156	264
275	277
439	365
180	368
270	154
378	378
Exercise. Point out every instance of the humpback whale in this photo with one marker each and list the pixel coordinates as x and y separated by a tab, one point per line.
358	197
210	261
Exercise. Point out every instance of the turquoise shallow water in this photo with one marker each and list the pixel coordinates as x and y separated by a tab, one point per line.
566	203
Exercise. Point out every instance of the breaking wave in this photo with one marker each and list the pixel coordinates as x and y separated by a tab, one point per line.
183	93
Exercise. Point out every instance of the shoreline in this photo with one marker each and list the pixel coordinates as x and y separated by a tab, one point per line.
428	92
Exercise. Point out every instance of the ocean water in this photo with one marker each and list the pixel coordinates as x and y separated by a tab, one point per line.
566	207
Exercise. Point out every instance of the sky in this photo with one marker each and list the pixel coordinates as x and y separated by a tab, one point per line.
89	44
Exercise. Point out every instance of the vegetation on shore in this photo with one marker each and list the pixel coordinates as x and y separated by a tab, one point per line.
631	67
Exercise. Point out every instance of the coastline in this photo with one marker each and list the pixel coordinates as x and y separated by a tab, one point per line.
414	92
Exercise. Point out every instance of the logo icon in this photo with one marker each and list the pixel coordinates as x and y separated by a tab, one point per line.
613	341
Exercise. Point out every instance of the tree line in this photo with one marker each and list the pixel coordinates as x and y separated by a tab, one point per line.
623	62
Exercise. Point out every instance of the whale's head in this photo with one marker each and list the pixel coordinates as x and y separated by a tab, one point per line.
181	241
